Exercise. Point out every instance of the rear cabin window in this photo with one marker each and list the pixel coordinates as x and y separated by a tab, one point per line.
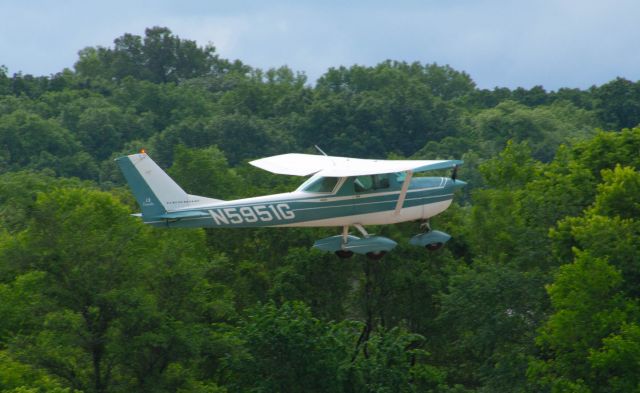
322	184
371	182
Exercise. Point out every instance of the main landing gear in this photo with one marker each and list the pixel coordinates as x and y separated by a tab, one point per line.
376	247
345	245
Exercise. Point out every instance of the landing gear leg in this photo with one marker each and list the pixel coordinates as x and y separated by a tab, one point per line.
373	255
425	226
344	254
345	234
345	245
360	228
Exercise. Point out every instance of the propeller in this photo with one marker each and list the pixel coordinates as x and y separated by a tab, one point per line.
454	173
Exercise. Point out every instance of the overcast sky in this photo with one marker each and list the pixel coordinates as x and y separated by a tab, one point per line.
553	43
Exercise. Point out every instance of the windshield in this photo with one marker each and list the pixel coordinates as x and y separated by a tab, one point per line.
320	184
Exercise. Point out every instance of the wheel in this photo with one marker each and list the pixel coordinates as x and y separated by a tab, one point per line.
344	254
376	255
434	246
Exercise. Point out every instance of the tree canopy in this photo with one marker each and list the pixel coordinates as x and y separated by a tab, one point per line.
536	292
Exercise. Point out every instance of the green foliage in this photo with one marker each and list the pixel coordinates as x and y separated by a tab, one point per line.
607	149
205	172
160	57
588	306
618	194
91	300
316	279
489	316
394	362
16	377
288	350
388	108
617	361
618	103
18	191
117	315
543	127
28	140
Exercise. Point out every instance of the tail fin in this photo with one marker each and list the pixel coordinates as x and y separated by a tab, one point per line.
154	190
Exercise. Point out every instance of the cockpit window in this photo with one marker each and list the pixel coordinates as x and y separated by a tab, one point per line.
321	184
371	182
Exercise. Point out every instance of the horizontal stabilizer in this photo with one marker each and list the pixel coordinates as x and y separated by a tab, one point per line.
185	214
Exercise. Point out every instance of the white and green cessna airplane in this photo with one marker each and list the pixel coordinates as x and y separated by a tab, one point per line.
343	192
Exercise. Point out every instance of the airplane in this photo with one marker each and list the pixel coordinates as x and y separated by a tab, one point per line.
341	192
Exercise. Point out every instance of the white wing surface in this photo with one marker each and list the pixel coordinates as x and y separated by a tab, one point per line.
293	164
307	164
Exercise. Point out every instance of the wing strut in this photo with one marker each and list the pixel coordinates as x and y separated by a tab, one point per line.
403	191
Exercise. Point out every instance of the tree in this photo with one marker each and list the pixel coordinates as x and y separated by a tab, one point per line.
595	299
124	304
16	377
318	279
618	359
395	361
617	195
205	172
617	103
608	149
609	229
588	306
160	57
287	350
18	192
30	140
488	316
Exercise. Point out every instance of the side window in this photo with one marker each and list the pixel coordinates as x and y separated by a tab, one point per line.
371	182
381	181
363	183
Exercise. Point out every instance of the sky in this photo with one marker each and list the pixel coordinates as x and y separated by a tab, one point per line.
499	43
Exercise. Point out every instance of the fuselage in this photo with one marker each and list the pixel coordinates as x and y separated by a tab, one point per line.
365	200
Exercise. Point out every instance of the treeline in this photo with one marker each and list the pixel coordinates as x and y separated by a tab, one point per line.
535	293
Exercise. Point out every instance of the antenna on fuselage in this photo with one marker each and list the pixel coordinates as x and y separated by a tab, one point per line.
320	150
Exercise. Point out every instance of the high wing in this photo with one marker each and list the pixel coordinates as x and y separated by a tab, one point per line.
329	166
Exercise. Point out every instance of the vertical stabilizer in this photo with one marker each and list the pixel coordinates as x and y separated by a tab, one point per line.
154	190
